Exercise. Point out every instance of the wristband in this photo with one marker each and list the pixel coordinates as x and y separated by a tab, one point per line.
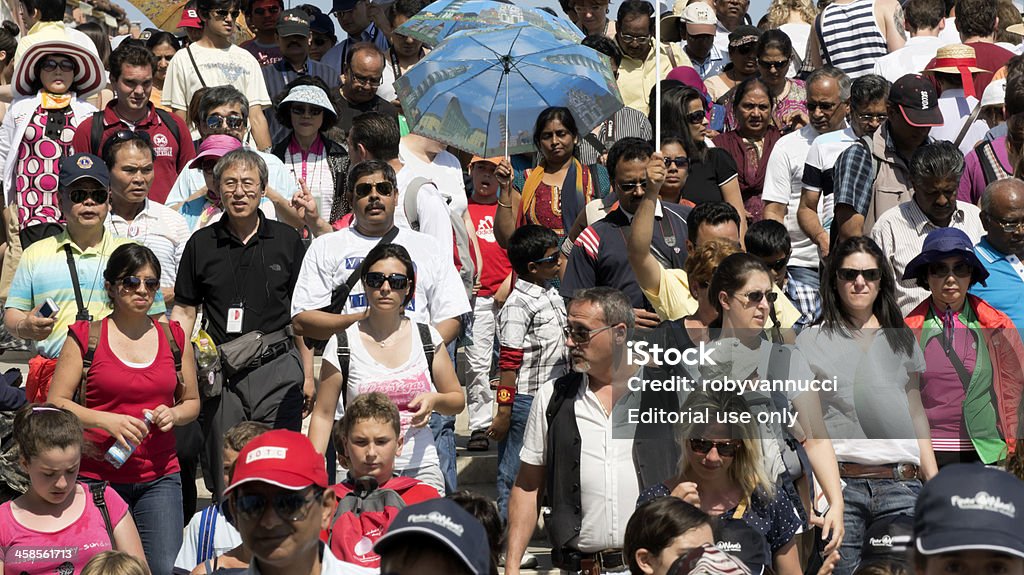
506	394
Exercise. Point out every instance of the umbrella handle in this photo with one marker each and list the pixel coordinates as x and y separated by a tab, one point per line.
505	78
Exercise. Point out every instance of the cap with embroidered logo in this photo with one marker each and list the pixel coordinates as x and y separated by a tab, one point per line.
283	458
293	22
81	166
446	523
970	507
917	100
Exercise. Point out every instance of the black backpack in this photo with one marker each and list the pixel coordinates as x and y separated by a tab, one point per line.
96	134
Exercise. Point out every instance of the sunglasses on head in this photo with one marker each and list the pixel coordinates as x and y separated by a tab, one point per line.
97	195
960	269
680	162
695	117
132	283
757	296
289	505
263	11
222	14
214	121
704	446
50	64
376	279
850	274
304	110
124	136
382	188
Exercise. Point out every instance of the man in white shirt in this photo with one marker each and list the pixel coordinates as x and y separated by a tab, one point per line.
924	20
214	61
828	95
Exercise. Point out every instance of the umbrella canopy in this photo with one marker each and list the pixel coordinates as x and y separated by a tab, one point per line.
472	85
165	15
446	17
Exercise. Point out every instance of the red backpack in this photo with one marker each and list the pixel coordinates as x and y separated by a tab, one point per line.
362	517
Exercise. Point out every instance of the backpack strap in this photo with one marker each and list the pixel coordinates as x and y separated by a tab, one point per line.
428	348
409	201
95	330
99	499
990	166
176	353
195	66
344	360
96	133
821	39
207	528
172	126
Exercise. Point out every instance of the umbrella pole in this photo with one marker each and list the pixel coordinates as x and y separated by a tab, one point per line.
657	78
505	78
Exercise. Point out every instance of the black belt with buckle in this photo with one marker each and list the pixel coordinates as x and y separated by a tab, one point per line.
273	352
894	471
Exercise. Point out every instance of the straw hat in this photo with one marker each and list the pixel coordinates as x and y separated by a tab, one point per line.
957	59
90	77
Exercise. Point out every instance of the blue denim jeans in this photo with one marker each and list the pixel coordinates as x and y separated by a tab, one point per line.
443	428
867	500
508	450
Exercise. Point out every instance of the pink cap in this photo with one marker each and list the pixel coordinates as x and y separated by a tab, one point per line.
215	146
282	458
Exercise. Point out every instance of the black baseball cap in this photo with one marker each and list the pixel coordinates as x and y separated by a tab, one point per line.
917	100
887	539
970	507
293	22
79	166
447	524
737	538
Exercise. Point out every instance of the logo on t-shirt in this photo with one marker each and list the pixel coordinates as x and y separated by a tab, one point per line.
485	229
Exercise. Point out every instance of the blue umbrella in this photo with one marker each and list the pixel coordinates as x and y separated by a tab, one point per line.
474	84
443	18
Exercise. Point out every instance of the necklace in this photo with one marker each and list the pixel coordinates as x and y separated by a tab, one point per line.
387	341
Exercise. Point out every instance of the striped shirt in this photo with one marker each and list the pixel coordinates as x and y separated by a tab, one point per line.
532	321
821	160
852	40
160	229
43	273
626	123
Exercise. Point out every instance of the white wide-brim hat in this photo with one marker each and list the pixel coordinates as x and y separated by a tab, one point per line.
90	77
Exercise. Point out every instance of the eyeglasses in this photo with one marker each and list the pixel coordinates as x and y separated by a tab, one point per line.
583	336
372	82
630	186
289	505
681	162
704	446
777	265
773	64
161	58
376	279
825	107
97	195
49	65
214	121
851	274
630	39
223	14
264	11
757	296
382	188
696	117
302	110
872	117
1007	227
547	260
961	269
132	283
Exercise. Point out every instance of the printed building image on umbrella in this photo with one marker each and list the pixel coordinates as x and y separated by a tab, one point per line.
441	19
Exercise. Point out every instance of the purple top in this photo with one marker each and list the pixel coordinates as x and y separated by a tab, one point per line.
942	393
972	182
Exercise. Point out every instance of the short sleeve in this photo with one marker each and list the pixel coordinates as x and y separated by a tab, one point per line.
330	354
21	294
778	177
673	299
852	177
185	289
534	451
783	521
116	507
175	85
724	164
915	363
435	337
256	86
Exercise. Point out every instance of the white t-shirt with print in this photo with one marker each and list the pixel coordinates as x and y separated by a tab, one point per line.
231	66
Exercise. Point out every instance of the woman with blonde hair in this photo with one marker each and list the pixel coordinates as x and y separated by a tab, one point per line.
795	18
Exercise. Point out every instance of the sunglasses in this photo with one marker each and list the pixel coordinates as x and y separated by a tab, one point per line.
777	265
681	162
264	11
132	283
850	274
548	260
215	121
940	270
49	65
583	336
757	296
695	117
222	14
704	446
873	117
317	41
825	107
744	49
97	195
289	505
382	188
773	64
303	110
630	186
376	279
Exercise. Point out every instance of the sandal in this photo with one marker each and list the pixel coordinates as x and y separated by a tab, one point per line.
478	441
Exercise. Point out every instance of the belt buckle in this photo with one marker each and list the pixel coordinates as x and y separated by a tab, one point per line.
899	470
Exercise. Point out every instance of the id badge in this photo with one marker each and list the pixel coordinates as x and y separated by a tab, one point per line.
235	315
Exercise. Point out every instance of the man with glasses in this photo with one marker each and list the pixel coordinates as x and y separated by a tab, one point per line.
867	110
262	17
1001	249
359	82
67	269
591	475
363	21
600	256
131	77
214	61
242	270
634	34
935	171
828	95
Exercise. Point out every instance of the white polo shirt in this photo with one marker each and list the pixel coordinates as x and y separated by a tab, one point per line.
159	228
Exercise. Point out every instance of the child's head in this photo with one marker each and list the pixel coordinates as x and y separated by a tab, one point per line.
50	443
486	512
768	240
235	439
114	563
533	252
369	436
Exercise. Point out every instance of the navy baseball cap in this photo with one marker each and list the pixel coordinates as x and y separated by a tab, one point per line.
79	166
446	522
970	507
887	539
917	100
344	5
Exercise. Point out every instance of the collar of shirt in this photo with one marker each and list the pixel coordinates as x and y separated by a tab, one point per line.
221	231
529	288
316	149
657	211
110	117
988	251
715	55
369	34
145	213
285	67
920	222
64	238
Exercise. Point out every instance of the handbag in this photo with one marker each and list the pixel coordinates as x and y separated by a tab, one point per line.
246	350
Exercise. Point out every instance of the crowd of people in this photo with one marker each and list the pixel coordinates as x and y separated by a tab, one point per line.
837	196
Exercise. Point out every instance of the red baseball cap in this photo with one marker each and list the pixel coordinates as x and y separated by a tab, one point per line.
190	19
282	458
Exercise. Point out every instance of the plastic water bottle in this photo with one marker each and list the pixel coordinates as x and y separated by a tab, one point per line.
118	454
206	350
